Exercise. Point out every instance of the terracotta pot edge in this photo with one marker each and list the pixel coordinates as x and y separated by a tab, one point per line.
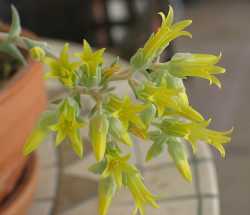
24	192
19	80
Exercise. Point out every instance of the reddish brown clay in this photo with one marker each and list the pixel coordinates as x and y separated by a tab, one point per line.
21	103
20	199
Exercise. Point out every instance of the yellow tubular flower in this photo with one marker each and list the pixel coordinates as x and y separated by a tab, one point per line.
107	190
182	108
170	101
90	58
160	40
161	96
185	111
124	173
126	111
99	126
141	195
68	126
183	65
115	167
62	69
197	131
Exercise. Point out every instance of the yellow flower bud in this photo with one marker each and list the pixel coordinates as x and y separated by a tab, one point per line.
178	154
37	54
98	134
107	189
184	168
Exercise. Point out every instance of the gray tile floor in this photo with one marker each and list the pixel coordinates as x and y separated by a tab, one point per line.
224	26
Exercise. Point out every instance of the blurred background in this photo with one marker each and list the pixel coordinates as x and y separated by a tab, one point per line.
218	26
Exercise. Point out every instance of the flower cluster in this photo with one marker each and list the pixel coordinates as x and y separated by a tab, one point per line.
159	110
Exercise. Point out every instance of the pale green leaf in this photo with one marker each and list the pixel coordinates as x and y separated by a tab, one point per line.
15	28
11	50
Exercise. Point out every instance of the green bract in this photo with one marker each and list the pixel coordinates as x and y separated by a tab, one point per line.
159	110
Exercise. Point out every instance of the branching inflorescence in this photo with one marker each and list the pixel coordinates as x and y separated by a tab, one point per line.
158	112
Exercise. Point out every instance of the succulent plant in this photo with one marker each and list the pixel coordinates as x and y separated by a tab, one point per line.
158	112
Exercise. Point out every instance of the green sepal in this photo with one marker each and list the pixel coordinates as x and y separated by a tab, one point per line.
89	79
157	147
113	149
119	132
99	167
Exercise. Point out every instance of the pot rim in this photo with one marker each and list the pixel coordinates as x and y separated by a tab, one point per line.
19	80
22	192
18	74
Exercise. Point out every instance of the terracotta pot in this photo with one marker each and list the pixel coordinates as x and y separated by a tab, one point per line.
18	202
21	103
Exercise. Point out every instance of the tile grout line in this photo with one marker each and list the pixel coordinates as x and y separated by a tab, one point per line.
197	183
59	173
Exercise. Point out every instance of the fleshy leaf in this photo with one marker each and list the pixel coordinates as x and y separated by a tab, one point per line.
11	50
15	28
